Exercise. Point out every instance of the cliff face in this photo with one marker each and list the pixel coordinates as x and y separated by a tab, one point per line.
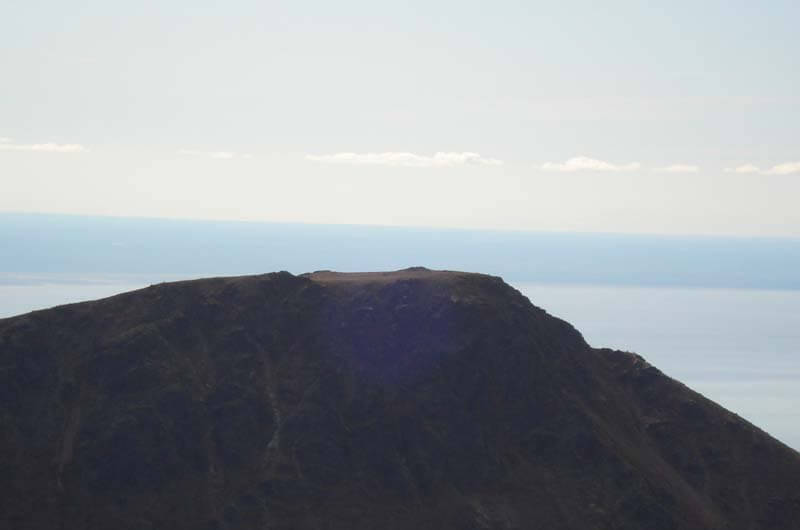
415	399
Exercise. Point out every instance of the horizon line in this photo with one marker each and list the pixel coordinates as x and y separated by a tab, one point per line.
421	227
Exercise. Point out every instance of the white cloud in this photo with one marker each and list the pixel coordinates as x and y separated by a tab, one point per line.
678	168
746	168
218	155
440	159
6	145
583	163
788	168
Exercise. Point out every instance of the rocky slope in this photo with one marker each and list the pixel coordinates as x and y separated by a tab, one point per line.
414	399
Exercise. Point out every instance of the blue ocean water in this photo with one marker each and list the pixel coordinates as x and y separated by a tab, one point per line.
49	243
738	347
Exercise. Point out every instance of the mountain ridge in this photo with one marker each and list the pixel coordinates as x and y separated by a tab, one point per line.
415	398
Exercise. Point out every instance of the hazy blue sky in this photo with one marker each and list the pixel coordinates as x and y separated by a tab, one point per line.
687	116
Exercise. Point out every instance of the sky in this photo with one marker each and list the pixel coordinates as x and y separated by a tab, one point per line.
566	116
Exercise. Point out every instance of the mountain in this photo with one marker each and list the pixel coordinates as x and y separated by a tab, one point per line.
412	399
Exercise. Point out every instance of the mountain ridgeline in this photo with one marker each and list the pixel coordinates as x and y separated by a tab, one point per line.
414	399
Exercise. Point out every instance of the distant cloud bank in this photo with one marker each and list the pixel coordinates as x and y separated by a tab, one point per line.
6	144
788	168
678	168
746	168
440	159
217	155
584	163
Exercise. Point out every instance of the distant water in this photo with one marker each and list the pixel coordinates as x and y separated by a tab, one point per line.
20	293
48	243
738	347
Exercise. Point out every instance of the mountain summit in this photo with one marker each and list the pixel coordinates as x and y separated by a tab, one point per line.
414	399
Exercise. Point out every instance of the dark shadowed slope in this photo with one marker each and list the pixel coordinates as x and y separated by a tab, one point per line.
415	399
